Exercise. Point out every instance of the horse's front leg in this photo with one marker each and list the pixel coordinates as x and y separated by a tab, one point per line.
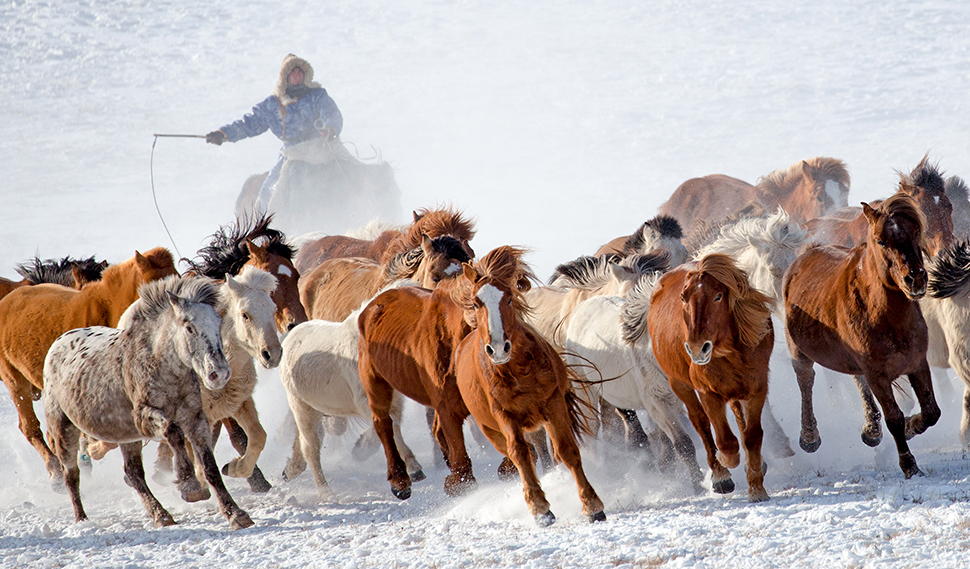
895	421
379	394
450	418
397	415
720	476
566	447
248	419
872	429
65	440
152	422
728	447
521	455
135	477
752	436
197	433
240	442
929	410
804	368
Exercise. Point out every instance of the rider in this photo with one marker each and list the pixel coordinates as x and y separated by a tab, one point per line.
298	110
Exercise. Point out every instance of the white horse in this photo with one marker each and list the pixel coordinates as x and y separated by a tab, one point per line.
319	374
610	332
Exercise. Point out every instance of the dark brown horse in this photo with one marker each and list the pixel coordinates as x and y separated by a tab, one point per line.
811	188
855	311
848	227
514	381
712	335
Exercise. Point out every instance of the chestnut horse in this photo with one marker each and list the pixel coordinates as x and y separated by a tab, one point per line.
390	243
660	233
808	189
711	333
33	317
848	226
855	311
513	381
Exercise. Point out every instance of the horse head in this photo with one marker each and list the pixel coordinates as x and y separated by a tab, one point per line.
286	295
811	188
927	187
250	312
198	342
440	258
662	233
154	265
720	308
895	243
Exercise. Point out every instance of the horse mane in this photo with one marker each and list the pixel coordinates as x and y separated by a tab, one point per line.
403	265
633	316
777	229
60	271
949	275
665	225
750	308
956	189
586	272
439	222
902	205
257	279
925	176
505	265
154	295
818	166
373	229
227	251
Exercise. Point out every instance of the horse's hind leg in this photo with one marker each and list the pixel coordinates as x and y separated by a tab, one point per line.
895	422
777	441
21	391
198	435
440	456
308	438
872	429
804	368
929	411
186	478
752	434
65	440
669	423
135	477
397	414
566	447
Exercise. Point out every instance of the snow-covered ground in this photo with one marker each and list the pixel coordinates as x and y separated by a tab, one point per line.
557	126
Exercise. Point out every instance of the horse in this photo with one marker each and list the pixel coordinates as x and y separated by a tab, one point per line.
336	287
855	311
662	232
129	386
391	242
67	271
808	189
319	374
514	381
609	332
251	241
711	333
848	226
33	317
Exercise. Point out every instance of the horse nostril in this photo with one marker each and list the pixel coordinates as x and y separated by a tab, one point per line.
489	350
266	355
707	347
508	346
291	326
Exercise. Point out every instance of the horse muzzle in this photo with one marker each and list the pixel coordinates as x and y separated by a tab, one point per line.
215	376
500	355
915	287
700	356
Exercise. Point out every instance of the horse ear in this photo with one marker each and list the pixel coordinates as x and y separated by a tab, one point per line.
426	244
177	302
255	250
417	217
468	248
469	272
870	213
233	284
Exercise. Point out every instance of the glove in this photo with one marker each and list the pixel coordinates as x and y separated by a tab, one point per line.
216	137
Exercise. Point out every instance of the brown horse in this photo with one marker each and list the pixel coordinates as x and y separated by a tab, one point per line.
339	286
712	335
848	227
513	381
33	317
805	190
390	243
855	311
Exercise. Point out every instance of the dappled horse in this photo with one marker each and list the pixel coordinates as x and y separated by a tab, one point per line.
129	386
807	189
855	311
848	226
512	380
32	317
660	233
712	335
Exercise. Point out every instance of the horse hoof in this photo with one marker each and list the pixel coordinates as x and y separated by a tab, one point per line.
241	520
871	441
598	517
507	470
258	483
547	519
456	486
401	494
195	495
725	486
755	496
164	520
809	446
417	476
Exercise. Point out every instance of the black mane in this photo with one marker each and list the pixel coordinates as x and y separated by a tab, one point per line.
60	271
665	225
950	273
227	252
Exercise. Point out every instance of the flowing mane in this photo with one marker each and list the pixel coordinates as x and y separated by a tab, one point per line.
664	225
778	230
633	316
60	271
155	300
750	308
901	205
950	273
504	265
227	251
820	166
404	265
434	223
257	279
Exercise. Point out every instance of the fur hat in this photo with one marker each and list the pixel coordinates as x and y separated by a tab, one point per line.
291	62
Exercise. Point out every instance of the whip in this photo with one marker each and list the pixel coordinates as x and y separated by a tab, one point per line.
151	171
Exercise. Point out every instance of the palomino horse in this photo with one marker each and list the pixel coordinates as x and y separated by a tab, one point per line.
660	233
129	386
848	226
808	189
854	311
254	242
33	317
392	242
339	286
514	381
319	374
712	335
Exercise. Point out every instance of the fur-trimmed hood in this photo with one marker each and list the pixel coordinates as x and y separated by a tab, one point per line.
291	62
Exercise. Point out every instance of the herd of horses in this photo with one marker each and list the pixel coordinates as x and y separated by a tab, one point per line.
675	320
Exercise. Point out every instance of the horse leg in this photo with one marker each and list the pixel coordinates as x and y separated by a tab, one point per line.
450	420
804	368
752	434
21	391
163	460
247	418
872	429
186	476
379	396
895	422
540	446
198	434
611	427
929	411
965	418
728	447
777	441
440	458
135	477
566	447
240	441
669	423
65	441
309	438
397	414
720	476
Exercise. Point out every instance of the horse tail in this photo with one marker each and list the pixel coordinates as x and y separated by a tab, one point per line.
580	411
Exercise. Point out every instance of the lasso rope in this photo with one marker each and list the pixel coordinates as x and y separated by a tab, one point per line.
151	173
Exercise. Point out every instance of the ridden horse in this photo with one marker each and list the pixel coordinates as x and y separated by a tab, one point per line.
712	335
33	317
848	226
514	381
319	374
855	311
128	386
662	232
339	286
806	190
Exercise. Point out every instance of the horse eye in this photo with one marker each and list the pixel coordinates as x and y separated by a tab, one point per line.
245	316
881	243
717	298
190	328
